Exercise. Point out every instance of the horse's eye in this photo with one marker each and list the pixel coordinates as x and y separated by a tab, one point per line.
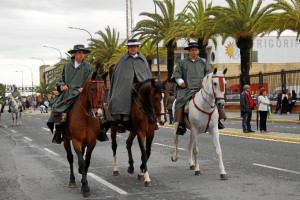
215	84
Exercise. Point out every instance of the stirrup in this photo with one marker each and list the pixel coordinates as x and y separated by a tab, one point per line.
121	128
180	130
57	139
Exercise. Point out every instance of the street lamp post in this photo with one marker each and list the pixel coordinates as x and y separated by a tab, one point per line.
56	49
157	56
82	29
22	81
44	72
31	78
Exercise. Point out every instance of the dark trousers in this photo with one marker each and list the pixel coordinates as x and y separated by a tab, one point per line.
170	111
246	120
263	120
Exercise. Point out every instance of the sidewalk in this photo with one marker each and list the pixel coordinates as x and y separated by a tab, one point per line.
282	118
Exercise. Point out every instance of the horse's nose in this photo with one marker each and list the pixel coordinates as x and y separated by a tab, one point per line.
220	104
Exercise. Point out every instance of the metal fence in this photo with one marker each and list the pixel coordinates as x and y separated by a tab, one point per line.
273	82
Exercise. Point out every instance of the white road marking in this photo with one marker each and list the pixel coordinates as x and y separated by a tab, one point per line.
104	182
168	146
13	131
48	150
46	129
276	168
27	138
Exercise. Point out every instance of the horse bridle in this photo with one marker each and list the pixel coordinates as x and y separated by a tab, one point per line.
99	95
221	83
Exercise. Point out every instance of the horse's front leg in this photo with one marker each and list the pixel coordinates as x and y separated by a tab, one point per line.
174	157
143	168
81	163
193	150
129	141
67	145
114	146
216	139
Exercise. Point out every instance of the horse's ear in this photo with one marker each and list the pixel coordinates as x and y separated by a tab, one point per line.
94	75
215	70
225	70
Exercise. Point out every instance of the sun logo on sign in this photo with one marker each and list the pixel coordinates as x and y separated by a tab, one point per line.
230	49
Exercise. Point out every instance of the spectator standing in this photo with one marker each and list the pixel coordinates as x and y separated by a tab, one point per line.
170	101
247	105
278	103
46	104
263	108
284	103
294	99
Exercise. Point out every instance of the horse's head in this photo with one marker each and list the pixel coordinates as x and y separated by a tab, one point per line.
93	91
214	85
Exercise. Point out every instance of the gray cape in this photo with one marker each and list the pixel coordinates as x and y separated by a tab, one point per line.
127	71
192	72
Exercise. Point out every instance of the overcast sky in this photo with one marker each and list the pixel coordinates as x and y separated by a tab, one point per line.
27	26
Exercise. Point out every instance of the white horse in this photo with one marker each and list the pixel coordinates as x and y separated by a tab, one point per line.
15	107
202	117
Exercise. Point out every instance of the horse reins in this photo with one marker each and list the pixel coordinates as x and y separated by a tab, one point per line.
221	83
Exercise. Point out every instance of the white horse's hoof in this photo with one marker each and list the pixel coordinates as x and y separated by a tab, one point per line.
197	173
174	159
223	177
116	173
192	167
148	184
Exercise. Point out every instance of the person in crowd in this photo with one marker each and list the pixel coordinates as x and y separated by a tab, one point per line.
170	101
17	95
289	101
293	100
278	103
70	85
247	104
263	109
188	75
284	102
46	104
131	68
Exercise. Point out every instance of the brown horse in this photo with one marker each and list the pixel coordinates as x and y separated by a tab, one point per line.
145	110
82	127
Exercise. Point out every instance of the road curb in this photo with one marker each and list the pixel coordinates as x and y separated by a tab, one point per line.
270	120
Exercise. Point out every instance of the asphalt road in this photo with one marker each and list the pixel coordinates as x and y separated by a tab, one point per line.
33	168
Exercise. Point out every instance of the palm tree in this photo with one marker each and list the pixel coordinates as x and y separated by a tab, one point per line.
243	21
44	89
190	25
158	27
103	49
287	19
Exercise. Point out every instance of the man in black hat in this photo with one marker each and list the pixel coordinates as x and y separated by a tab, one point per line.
188	74
70	84
132	67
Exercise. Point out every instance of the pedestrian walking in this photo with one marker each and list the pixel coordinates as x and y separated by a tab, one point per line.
46	104
170	101
293	100
278	103
284	103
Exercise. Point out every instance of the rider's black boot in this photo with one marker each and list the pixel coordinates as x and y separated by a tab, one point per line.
102	137
57	138
220	125
181	129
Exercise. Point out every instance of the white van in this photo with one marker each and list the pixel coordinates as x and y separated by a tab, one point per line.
288	87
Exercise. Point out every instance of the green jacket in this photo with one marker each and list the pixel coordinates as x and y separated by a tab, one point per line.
16	93
74	78
192	72
2	94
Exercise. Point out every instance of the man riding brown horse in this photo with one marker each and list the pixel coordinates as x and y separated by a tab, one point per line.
70	85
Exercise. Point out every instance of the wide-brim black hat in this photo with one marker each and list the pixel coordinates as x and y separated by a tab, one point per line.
191	45
79	47
133	42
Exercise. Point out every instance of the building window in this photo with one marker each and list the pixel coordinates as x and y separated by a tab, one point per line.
254	56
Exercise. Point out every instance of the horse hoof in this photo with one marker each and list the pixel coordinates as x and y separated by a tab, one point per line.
197	173
223	177
148	184
192	167
116	173
140	176
130	170
174	159
85	192
72	185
